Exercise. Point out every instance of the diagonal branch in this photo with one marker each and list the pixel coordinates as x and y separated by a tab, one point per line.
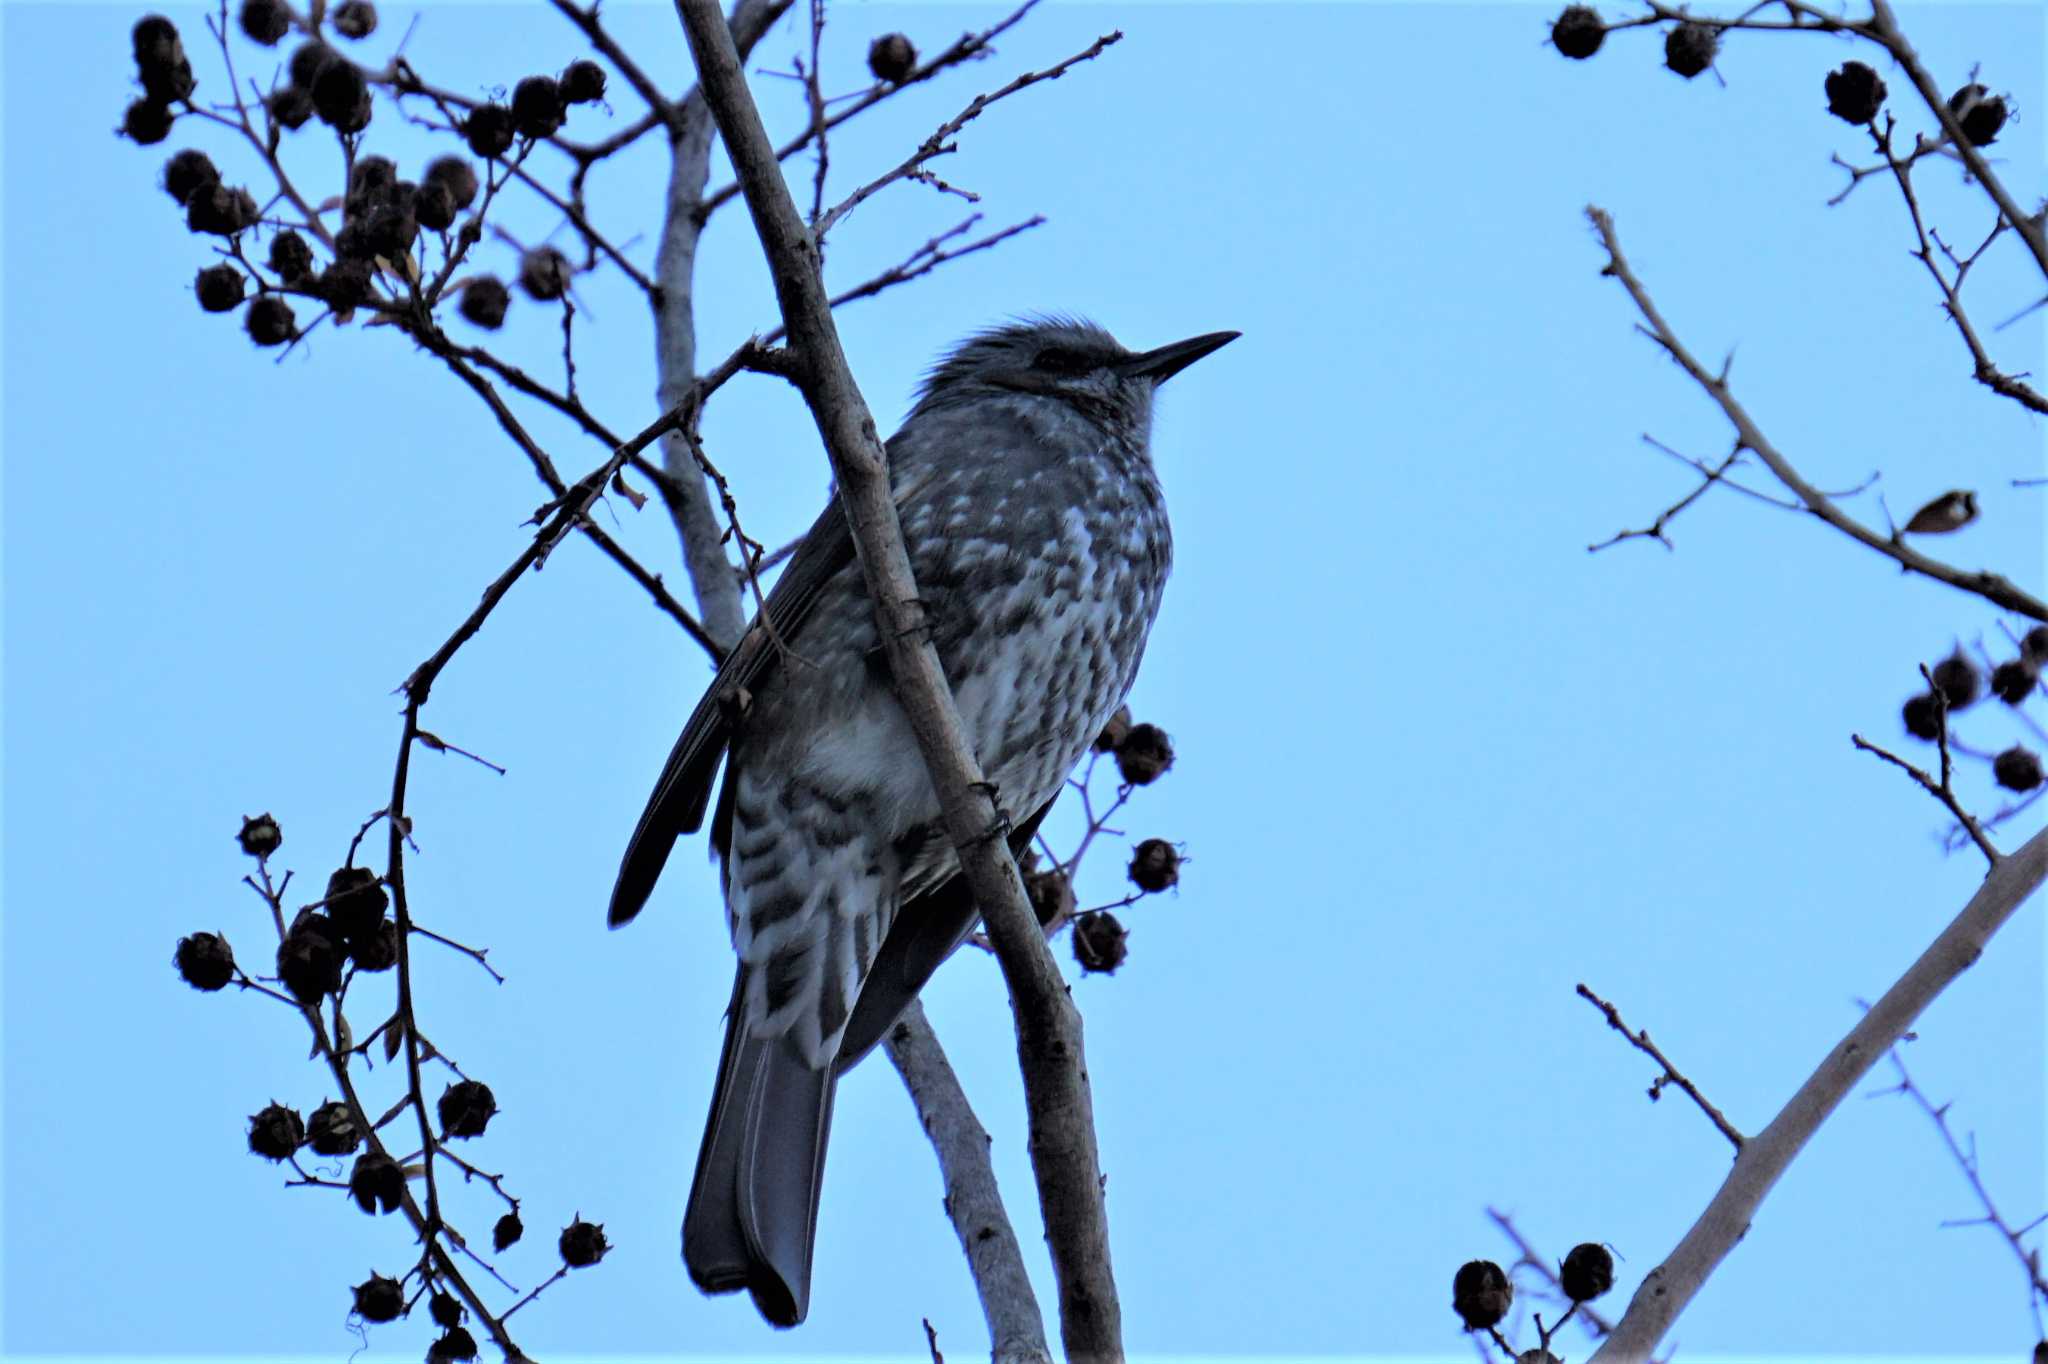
1666	1291
1016	1329
1993	587
1049	1034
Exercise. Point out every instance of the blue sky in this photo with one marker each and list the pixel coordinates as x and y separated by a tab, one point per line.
1437	763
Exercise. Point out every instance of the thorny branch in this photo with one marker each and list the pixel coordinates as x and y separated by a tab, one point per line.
1965	1159
1668	1289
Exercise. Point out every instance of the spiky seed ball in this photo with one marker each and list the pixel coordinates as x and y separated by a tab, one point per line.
892	57
2041	1353
1155	866
291	258
1578	32
219	288
377	1183
1587	1272
269	321
582	1244
309	59
205	961
1099	942
1481	1294
2013	680
1113	733
452	1348
152	37
219	210
484	300
147	122
1922	717
454	174
544	273
507	1232
187	171
488	130
1855	93
390	227
1145	753
376	951
345	285
370	179
290	106
342	97
537	109
446	1310
356	900
379	1299
466	1108
260	836
2035	646
582	82
276	1132
1959	681
355	19
160	59
1536	1354
1051	895
310	957
1981	114
2017	769
1690	47
332	1130
266	21
434	207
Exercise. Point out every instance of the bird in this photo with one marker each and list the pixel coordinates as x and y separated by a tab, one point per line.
1038	536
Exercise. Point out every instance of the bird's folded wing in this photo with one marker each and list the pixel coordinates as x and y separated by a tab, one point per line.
683	791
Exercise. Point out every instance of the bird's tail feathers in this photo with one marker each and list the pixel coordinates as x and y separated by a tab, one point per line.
753	1212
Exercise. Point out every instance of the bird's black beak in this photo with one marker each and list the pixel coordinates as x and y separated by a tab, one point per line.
1165	362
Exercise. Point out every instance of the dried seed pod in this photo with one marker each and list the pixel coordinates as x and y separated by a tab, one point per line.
1855	93
205	961
582	1244
269	321
1155	866
1481	1294
276	1132
892	57
1690	47
379	1299
266	21
1578	33
1100	942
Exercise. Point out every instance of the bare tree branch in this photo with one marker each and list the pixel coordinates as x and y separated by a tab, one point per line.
1667	1290
1993	587
1016	1328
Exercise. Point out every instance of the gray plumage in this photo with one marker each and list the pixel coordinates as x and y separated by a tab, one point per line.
1038	536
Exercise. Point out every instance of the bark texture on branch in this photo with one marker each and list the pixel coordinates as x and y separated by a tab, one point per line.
1049	1045
1672	1285
712	576
1016	1328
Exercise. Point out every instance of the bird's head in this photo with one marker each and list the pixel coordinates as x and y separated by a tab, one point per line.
1066	360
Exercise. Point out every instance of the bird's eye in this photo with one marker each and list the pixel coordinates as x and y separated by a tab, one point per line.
1062	360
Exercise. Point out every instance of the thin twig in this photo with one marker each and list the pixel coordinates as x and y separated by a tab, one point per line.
1640	1040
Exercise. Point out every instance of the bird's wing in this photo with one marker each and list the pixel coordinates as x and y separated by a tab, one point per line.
683	790
925	932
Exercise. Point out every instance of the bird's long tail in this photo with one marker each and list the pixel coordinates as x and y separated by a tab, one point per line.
753	1211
